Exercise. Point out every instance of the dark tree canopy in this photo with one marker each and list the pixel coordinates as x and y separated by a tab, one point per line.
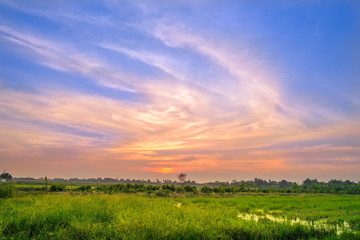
6	176
182	177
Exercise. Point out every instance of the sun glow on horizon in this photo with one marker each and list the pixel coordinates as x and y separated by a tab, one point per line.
166	170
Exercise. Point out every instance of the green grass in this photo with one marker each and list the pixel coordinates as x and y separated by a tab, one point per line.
139	216
6	191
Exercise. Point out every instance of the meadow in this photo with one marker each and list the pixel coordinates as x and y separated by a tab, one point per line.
94	214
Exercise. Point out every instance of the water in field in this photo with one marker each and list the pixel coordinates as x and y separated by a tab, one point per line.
319	224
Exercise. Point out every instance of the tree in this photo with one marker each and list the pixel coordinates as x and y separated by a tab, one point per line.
6	176
182	178
46	181
284	184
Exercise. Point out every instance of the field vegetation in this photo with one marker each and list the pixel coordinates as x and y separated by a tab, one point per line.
138	211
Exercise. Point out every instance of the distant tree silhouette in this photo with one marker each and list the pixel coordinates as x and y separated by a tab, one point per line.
182	178
6	176
46	182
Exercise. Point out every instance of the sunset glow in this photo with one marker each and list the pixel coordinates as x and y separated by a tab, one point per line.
143	89
167	170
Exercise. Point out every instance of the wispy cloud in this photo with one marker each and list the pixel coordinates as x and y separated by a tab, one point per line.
55	55
210	104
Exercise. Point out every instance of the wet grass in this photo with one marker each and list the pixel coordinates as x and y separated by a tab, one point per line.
140	216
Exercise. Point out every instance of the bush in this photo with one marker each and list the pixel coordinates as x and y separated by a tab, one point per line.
219	190
6	191
170	188
57	187
161	194
152	187
188	188
206	189
84	188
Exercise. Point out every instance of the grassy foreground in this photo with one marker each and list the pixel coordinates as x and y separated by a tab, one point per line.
126	216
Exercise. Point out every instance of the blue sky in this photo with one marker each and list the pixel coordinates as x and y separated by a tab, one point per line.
221	90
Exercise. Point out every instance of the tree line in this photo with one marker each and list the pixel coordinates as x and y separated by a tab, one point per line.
182	185
308	186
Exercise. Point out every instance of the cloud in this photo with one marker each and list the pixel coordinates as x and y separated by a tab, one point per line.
212	104
56	56
178	116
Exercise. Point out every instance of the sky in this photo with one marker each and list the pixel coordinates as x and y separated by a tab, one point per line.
217	89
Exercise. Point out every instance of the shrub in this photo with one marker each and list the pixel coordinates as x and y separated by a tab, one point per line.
152	188
188	188
6	191
206	189
219	189
84	188
216	189
141	189
57	187
161	194
229	189
170	188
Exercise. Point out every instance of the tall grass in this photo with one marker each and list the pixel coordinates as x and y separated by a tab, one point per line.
125	216
6	191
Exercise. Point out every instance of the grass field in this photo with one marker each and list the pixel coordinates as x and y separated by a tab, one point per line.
73	215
